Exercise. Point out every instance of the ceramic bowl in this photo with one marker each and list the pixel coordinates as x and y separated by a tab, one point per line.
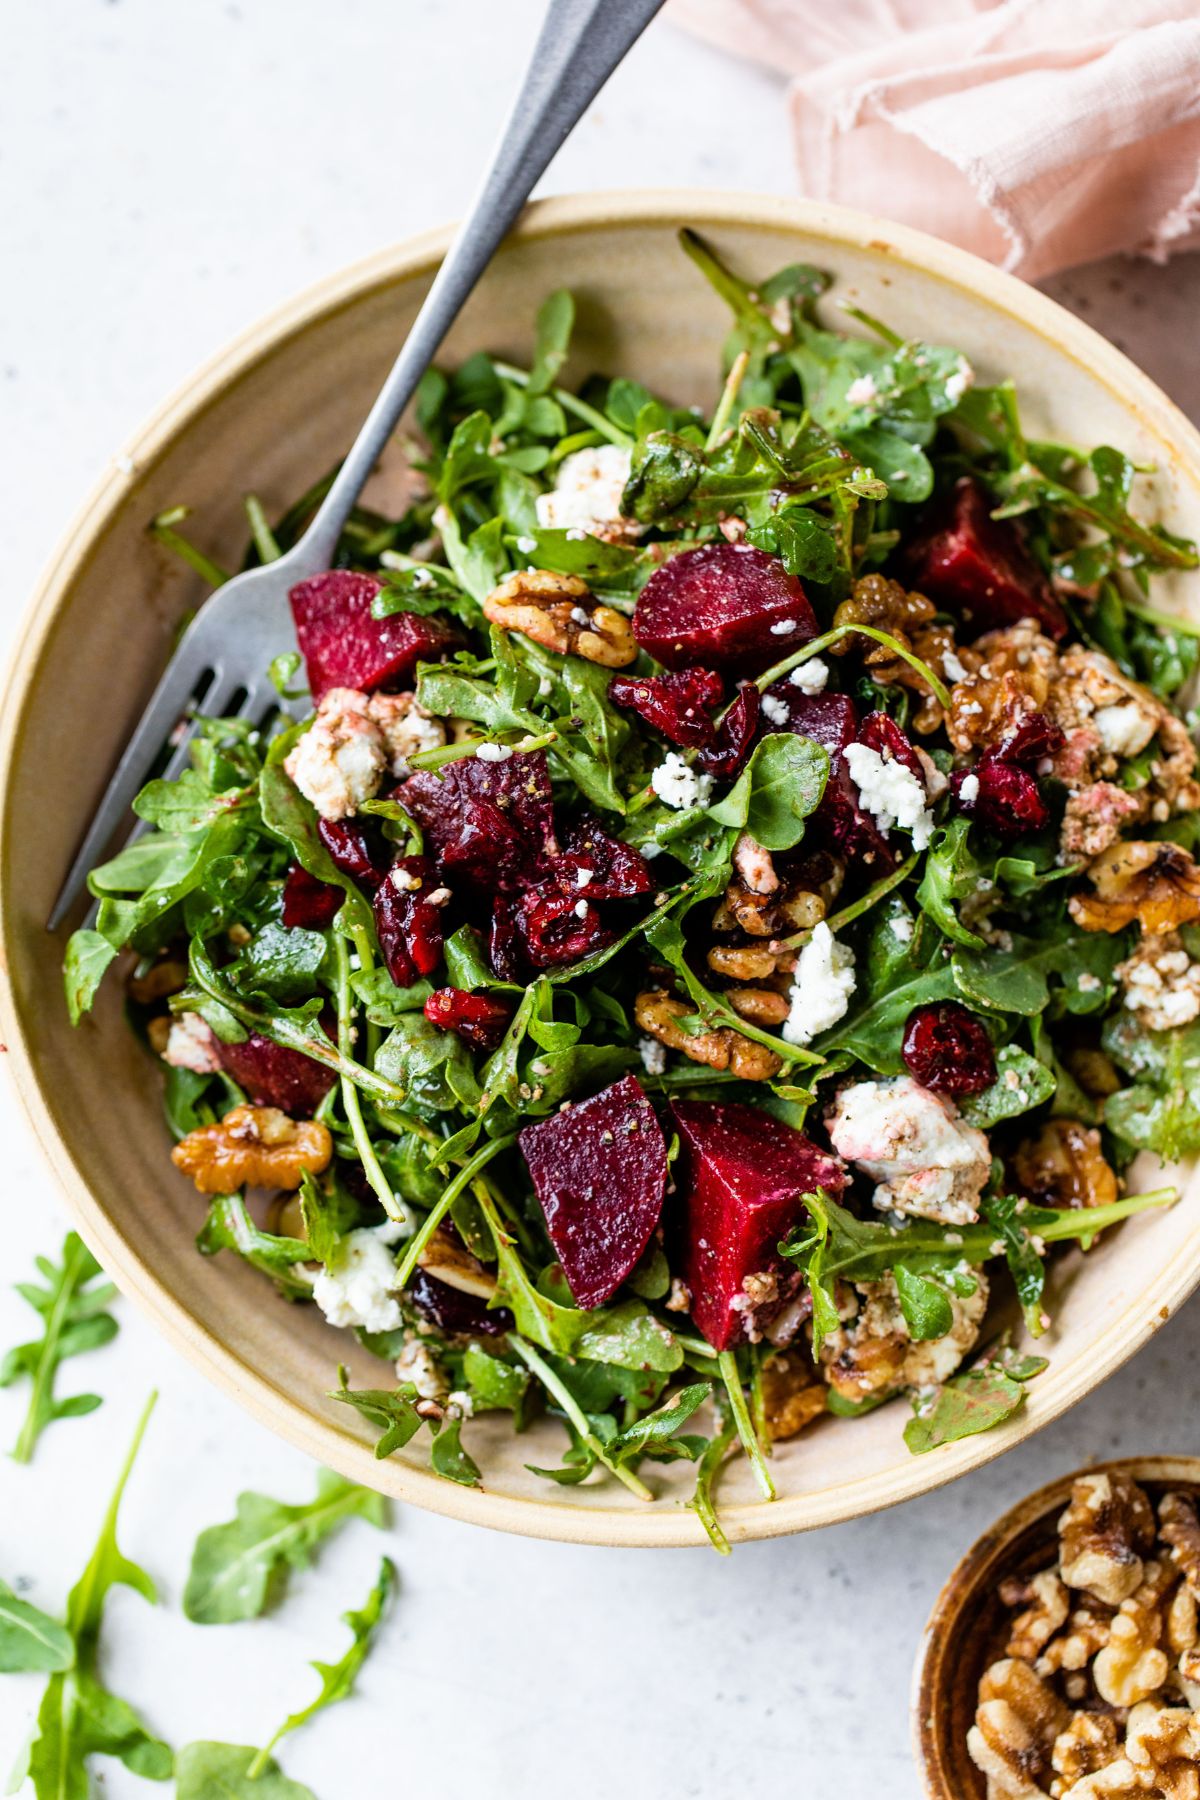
270	415
968	1625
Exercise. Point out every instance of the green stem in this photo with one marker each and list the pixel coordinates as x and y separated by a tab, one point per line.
402	1124
728	400
570	403
706	1475
43	1381
79	1606
260	530
163	528
577	1416
940	690
438	1212
448	753
727	1363
393	1207
1165	621
860	906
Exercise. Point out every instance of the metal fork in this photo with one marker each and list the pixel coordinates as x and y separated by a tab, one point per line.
222	659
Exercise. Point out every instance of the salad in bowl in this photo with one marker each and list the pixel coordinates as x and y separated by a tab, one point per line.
726	921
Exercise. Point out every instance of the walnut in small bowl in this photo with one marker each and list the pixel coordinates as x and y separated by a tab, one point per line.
1062	1661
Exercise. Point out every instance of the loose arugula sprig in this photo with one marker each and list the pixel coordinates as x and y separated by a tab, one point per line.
73	1310
239	1568
79	1717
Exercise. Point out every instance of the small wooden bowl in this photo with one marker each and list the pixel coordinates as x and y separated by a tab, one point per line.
967	1626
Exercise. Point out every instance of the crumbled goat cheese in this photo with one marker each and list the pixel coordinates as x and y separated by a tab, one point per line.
526	545
1125	728
403	880
406	728
781	627
862	391
494	752
584	877
587	490
653	1055
953	666
958	383
901	928
417	1363
678	785
1161	983
459	1404
774	710
340	760
1089	983
810	677
821	986
581	909
890	792
927	1160
651	848
191	1045
359	1288
968	793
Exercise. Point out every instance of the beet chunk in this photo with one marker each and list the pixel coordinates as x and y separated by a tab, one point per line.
599	1170
723	604
343	646
614	871
557	928
274	1076
880	732
726	756
978	568
678	704
479	1019
831	720
408	922
308	902
948	1050
741	1175
358	850
451	1310
490	825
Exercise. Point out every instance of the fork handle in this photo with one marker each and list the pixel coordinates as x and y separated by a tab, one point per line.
580	44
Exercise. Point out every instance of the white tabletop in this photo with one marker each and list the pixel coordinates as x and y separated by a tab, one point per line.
170	172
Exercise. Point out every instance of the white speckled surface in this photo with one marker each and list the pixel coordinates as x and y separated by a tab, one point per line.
166	174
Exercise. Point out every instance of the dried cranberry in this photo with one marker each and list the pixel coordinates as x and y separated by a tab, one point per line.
308	902
678	704
979	568
735	735
479	1019
613	870
504	941
275	1076
742	1176
450	1309
358	850
490	825
880	732
557	928
407	922
947	1049
1004	798
599	1170
723	604
831	720
343	646
1035	738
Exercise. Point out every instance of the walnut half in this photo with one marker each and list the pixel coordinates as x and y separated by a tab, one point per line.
659	1013
253	1146
558	612
1017	1723
1103	1535
1156	884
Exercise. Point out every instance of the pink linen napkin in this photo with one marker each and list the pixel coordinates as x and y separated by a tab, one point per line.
1039	133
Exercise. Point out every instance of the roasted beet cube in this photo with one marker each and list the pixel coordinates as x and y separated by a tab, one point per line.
594	866
742	1176
557	929
679	703
726	756
948	1049
308	902
274	1076
409	908
452	1310
490	825
343	646
1001	796
599	1170
358	849
831	720
479	1019
724	605
978	568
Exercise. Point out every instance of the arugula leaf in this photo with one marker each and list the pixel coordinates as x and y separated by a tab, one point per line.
777	790
925	1305
239	1568
493	1384
29	1639
448	1458
208	1771
952	876
87	956
656	1430
1022	1082
230	1227
1161	1111
973	1401
394	1409
74	1319
337	1679
78	1716
1018	979
707	1470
